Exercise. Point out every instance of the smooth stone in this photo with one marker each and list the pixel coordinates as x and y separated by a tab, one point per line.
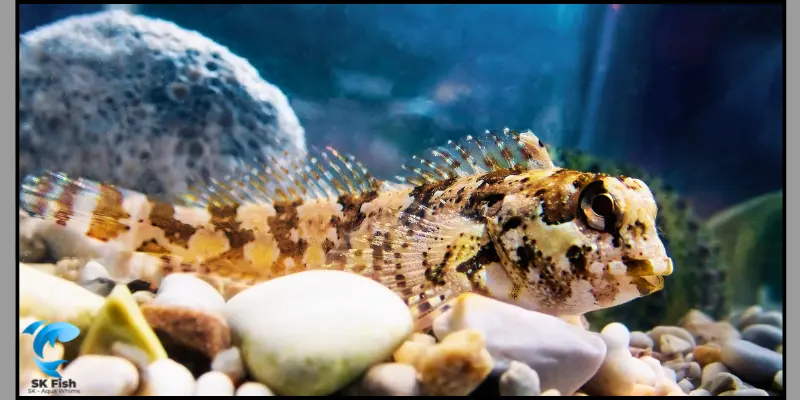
644	374
717	332
143	297
723	382
643	390
619	333
617	375
641	340
746	392
166	377
186	290
519	380
564	356
669	344
751	362
413	348
214	383
99	375
766	336
93	270
777	382
699	392
253	389
773	318
686	386
748	316
708	353
676	331
694	371
695	316
189	334
551	392
711	371
390	379
303	346
229	362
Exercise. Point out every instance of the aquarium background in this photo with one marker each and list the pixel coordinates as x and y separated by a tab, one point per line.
692	95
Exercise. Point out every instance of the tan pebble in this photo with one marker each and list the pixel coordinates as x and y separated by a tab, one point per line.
456	366
670	344
580	394
519	380
617	375
643	390
707	353
230	363
414	348
716	332
166	377
667	386
197	330
676	331
695	316
214	383
655	366
699	392
711	371
253	389
644	374
389	379
98	375
143	297
551	392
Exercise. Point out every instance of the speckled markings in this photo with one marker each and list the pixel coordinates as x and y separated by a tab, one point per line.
512	226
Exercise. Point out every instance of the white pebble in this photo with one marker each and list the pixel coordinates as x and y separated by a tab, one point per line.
619	333
253	389
669	374
230	363
186	290
93	270
644	374
166	377
617	375
99	375
214	383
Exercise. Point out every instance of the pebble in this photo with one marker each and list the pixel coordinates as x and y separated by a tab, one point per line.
695	316
619	333
699	392
186	290
519	380
253	389
303	347
706	354
773	318
676	331
456	366
748	316
643	390
694	371
723	382
167	378
143	297
745	392
641	340
644	374
99	375
32	249
551	392
669	344
686	385
230	363
766	336
777	382
711	371
617	374
187	332
413	348
390	379
564	356
751	362
717	332
214	383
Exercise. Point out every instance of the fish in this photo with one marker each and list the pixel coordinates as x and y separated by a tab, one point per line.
489	214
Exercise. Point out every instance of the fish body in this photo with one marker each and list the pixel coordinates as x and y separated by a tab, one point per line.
508	224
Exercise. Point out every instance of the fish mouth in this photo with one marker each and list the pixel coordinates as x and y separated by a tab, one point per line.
648	267
648	284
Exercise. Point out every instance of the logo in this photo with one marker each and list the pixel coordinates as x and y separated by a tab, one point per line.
49	333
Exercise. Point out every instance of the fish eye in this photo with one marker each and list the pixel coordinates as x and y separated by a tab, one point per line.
598	207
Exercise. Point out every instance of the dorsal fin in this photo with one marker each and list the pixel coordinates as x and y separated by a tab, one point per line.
322	173
480	154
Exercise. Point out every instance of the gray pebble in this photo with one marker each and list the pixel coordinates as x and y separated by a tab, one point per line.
746	392
693	371
774	318
711	371
723	382
640	340
699	392
390	379
254	389
686	386
766	336
676	331
519	380
751	362
748	316
230	363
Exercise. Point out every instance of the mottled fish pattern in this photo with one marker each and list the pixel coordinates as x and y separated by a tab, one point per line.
490	214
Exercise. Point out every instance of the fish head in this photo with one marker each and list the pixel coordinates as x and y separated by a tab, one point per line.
571	242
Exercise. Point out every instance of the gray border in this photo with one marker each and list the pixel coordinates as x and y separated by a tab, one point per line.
792	121
9	218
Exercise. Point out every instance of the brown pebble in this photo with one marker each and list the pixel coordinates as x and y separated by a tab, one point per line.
707	353
456	366
181	329
716	332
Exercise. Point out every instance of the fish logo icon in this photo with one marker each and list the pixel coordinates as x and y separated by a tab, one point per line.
61	331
